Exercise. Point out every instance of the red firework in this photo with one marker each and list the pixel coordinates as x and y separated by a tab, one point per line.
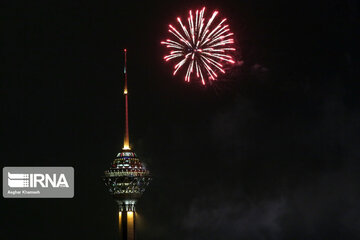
199	46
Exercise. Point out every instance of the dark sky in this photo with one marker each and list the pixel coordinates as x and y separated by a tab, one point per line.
269	152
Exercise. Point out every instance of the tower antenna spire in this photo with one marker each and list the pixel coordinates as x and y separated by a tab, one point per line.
126	137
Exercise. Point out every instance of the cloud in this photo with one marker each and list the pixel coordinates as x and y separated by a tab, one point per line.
214	216
288	175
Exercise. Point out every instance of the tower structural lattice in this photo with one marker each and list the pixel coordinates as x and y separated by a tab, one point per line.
127	179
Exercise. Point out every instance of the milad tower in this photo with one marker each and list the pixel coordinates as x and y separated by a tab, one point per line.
127	179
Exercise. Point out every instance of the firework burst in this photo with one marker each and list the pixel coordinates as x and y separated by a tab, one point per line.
199	46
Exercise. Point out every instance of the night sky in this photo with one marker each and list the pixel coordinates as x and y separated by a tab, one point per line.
270	151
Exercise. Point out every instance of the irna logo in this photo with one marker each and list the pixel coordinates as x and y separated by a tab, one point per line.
38	182
21	180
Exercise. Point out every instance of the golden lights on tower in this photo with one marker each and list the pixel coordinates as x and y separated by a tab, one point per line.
130	225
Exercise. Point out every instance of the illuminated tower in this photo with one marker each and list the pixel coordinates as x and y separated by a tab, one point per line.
126	179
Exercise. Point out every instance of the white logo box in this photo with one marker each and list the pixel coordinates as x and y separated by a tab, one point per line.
38	182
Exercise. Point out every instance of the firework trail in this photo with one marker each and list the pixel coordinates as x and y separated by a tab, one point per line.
199	46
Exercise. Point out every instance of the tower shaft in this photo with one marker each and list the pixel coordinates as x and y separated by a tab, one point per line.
127	225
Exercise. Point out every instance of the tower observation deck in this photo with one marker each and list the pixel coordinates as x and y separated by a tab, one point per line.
126	179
